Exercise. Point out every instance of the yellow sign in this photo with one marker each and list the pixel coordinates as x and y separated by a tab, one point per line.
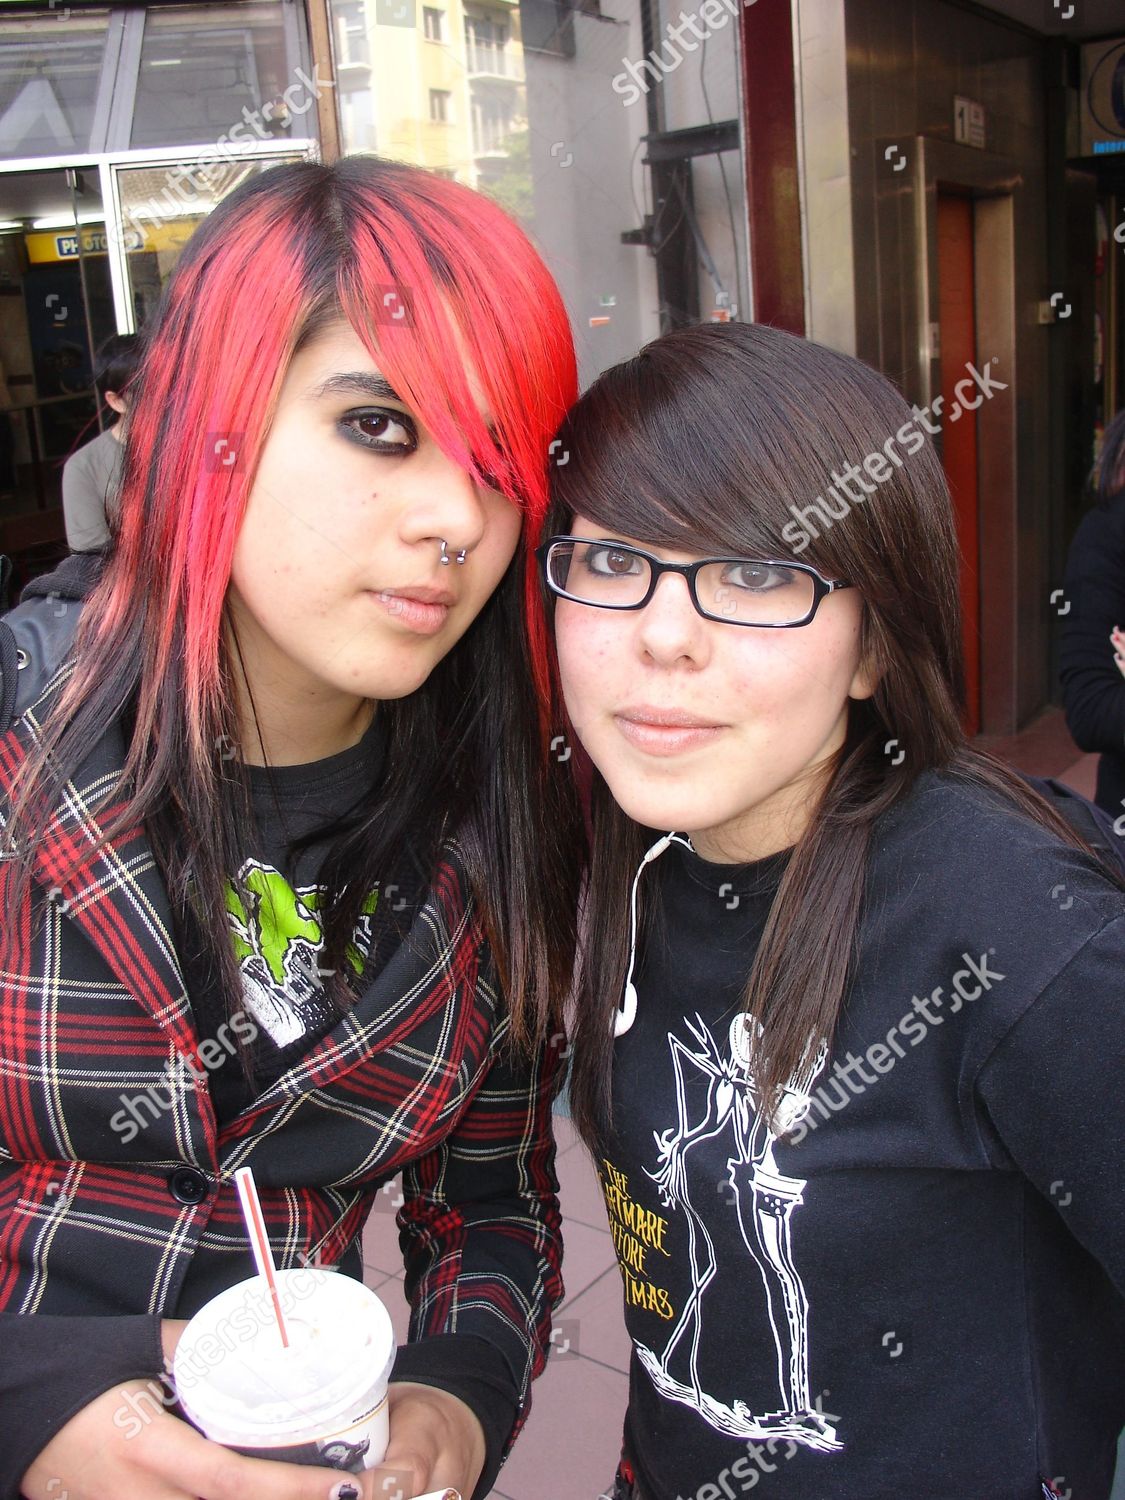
47	245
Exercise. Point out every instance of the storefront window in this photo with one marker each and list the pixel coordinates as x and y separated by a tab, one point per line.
49	74
209	71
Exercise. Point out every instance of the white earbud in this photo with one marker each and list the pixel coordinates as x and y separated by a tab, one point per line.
626	1014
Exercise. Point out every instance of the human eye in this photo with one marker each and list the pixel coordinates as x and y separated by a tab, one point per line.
381	429
758	577
605	561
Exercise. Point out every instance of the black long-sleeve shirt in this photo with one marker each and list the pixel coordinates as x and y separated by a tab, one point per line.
920	1291
1093	687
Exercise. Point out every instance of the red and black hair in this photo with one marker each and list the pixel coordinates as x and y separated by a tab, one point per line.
430	276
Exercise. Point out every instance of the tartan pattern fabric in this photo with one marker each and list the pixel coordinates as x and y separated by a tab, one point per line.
416	1078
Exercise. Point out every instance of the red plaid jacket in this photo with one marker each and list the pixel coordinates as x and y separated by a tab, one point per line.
415	1079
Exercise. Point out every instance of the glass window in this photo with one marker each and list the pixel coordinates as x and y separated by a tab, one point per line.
486	48
49	75
223	73
492	125
162	205
351	35
440	103
627	172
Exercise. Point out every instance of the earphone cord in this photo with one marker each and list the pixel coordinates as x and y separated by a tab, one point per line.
626	1014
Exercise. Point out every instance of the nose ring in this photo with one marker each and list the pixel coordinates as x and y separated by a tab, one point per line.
445	558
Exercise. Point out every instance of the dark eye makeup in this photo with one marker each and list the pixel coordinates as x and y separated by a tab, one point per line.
380	429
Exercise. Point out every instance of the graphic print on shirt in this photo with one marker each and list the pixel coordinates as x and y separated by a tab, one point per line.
278	941
764	1200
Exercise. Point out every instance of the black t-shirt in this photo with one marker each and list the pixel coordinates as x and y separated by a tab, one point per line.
275	925
920	1291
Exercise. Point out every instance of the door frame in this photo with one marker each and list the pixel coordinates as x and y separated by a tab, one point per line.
991	182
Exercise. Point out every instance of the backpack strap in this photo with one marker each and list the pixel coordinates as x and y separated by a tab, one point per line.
35	639
9	667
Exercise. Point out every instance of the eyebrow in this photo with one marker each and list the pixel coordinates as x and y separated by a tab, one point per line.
366	383
357	382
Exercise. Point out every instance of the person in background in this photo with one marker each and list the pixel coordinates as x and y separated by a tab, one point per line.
1092	662
92	474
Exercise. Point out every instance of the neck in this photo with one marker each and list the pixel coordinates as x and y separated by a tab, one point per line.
286	718
778	822
278	730
768	830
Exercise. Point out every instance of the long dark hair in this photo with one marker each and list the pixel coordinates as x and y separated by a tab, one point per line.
1109	473
288	253
715	439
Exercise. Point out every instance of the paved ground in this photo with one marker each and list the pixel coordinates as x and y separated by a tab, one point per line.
569	1448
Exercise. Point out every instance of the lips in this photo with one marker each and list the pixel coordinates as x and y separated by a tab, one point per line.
423	593
419	608
667	718
666	731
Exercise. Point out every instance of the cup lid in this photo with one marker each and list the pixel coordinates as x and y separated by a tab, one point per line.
234	1377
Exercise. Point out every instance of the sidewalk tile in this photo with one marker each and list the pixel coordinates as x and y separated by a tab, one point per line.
587	1255
570	1446
594	1322
580	1190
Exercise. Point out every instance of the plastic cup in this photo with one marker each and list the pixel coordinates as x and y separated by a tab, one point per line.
321	1401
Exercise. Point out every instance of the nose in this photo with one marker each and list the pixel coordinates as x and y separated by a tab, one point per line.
670	629
441	503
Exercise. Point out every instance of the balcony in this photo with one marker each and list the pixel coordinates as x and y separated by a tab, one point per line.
492	63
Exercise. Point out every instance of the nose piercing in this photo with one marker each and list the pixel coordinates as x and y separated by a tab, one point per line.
445	558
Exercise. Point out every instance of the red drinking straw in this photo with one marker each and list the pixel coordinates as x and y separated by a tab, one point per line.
259	1242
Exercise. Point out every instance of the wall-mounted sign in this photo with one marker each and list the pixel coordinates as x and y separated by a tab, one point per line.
968	122
1102	101
46	245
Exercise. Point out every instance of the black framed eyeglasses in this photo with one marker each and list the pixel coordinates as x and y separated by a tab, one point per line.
758	591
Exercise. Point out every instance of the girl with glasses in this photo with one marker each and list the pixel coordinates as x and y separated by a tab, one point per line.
848	1044
275	894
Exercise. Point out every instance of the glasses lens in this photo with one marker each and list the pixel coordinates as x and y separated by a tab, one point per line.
598	573
755	593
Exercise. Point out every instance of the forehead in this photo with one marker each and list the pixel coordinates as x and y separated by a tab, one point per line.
582	527
338	350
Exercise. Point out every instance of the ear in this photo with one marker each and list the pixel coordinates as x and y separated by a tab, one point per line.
872	659
865	679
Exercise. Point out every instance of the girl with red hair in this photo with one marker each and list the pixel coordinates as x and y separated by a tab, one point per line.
272	778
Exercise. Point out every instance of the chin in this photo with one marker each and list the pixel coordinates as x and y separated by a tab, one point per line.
383	687
670	810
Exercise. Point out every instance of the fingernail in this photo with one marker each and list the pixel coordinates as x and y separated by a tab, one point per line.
441	1495
344	1492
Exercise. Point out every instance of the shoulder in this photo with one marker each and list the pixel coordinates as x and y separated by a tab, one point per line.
37	636
1102	527
965	850
960	883
91	455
